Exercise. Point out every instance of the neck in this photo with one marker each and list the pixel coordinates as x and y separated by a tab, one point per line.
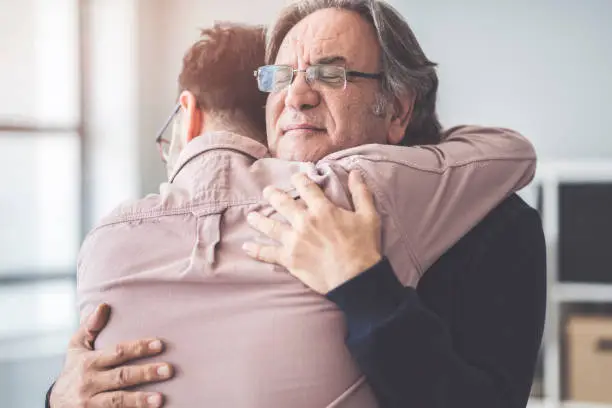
235	125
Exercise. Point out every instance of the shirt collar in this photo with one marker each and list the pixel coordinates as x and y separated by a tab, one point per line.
218	140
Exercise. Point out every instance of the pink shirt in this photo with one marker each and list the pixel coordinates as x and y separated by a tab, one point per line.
247	334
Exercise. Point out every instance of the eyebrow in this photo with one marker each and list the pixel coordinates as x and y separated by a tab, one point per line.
334	59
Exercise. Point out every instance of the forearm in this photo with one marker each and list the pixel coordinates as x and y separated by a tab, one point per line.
436	194
482	357
405	350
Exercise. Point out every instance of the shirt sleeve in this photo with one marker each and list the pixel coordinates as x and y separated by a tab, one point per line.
433	195
481	357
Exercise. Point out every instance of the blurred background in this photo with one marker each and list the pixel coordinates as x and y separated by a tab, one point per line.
85	85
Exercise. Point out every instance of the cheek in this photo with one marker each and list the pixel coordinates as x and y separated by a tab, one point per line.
349	114
356	123
274	108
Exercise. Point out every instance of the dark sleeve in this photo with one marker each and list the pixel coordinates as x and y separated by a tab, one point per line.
484	357
48	397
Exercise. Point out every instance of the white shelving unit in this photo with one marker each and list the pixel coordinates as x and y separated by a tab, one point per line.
565	404
549	176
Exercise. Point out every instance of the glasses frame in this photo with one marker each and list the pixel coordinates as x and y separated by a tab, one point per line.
160	140
294	72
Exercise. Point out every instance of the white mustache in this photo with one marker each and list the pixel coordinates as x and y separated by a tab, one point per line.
297	117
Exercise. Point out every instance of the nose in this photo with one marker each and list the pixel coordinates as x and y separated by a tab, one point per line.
300	95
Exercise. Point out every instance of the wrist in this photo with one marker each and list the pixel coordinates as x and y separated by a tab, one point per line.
369	298
352	268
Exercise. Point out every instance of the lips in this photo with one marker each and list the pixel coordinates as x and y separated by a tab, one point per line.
302	126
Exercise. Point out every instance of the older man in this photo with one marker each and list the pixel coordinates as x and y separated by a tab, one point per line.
469	335
413	356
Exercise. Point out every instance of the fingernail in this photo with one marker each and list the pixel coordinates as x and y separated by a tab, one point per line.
93	316
251	217
155	345
154	400
163	371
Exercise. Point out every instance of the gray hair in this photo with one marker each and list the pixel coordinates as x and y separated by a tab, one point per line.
407	71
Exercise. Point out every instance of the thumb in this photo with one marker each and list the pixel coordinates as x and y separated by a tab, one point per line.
362	198
90	328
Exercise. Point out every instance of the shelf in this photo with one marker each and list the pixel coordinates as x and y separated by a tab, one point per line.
581	293
538	403
575	171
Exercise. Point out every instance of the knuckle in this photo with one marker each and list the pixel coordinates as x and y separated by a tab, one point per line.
87	364
119	351
116	400
87	384
374	220
325	209
139	348
370	218
316	219
139	400
83	401
122	377
309	219
301	223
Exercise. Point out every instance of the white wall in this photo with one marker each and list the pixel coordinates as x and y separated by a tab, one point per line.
542	67
112	105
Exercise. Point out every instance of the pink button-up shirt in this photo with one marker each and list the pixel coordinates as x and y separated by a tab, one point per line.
247	334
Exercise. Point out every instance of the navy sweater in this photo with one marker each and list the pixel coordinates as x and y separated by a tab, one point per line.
469	335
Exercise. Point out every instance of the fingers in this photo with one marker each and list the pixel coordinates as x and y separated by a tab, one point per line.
273	229
122	399
87	333
283	203
128	351
362	198
310	192
128	376
98	319
268	254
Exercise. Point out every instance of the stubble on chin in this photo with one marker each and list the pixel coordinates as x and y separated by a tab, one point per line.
304	151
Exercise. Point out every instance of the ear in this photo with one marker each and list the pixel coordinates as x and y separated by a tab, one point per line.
193	117
400	118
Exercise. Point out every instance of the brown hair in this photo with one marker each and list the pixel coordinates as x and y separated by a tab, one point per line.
407	71
218	70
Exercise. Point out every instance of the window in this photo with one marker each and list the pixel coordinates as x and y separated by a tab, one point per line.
40	191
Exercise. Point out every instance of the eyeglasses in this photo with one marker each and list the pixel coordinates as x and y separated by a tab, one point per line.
163	144
275	78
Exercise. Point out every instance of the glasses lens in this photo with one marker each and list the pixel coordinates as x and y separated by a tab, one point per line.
273	78
164	135
331	75
163	146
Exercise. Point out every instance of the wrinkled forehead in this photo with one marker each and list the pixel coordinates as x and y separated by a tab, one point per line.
330	33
